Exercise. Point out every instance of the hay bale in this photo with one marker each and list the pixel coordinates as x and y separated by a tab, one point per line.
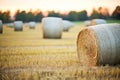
99	45
10	25
52	27
97	21
1	27
32	25
67	25
87	23
26	24
18	26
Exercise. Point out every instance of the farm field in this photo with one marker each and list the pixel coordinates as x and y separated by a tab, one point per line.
27	56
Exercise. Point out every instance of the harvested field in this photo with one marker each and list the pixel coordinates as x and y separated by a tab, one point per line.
27	56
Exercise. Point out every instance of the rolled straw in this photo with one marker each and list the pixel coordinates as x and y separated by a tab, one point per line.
18	26
52	27
99	45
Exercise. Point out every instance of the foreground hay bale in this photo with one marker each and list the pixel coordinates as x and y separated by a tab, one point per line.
99	45
52	27
18	26
67	25
97	21
32	25
87	23
1	27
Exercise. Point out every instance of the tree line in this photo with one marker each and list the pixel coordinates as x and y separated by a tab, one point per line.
24	16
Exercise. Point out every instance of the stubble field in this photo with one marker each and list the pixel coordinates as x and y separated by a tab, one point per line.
27	56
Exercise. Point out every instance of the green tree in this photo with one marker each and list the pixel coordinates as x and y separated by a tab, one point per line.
95	14
73	16
20	16
5	16
38	17
30	17
82	15
53	14
116	13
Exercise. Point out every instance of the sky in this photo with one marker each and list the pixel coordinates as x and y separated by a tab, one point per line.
57	5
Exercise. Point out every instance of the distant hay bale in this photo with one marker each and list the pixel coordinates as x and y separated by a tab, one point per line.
99	45
1	27
97	21
32	25
87	23
67	25
10	25
18	26
52	27
26	24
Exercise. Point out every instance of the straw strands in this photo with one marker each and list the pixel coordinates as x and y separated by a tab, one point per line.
99	45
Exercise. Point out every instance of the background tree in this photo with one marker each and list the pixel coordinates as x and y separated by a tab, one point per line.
20	16
95	14
30	17
5	16
82	15
73	16
38	17
53	14
116	13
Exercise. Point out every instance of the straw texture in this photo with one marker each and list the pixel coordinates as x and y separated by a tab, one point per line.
99	45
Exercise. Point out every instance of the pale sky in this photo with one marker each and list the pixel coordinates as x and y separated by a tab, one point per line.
58	5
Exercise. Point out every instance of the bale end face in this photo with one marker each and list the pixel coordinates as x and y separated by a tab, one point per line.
87	47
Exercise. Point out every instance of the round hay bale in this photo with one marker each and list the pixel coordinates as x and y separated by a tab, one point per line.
32	25
18	26
87	23
1	27
99	45
52	27
67	25
10	25
26	24
97	21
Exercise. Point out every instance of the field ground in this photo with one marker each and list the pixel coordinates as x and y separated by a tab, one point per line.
27	56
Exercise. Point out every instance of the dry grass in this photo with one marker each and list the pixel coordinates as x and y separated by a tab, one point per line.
27	56
86	44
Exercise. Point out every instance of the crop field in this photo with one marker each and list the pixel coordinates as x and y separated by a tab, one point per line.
27	56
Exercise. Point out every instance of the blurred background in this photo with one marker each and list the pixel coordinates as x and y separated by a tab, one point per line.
73	10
